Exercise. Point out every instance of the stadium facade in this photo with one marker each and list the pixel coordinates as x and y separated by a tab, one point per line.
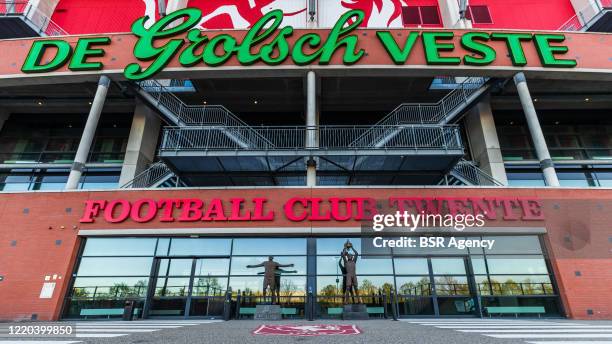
151	150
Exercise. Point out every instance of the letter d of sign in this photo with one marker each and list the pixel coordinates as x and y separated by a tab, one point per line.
40	49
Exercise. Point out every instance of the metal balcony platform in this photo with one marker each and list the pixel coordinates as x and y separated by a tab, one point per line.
15	27
274	150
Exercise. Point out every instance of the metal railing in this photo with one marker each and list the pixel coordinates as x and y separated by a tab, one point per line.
435	113
201	115
467	171
36	18
189	114
156	173
583	18
58	157
413	137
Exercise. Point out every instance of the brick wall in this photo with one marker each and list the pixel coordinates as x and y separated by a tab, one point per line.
38	238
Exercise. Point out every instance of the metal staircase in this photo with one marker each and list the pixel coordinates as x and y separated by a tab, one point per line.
158	175
179	114
447	110
412	137
467	173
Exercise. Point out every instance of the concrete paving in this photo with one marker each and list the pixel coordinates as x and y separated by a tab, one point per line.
421	331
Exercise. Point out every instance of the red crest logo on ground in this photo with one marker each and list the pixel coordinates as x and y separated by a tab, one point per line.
307	330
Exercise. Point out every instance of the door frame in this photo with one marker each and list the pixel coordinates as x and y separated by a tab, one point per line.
154	276
472	287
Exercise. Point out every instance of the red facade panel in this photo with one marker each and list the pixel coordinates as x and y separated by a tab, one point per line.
525	14
39	239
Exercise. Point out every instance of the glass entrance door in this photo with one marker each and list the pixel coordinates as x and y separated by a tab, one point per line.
434	286
171	287
453	291
188	287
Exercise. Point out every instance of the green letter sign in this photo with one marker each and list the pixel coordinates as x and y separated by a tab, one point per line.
177	38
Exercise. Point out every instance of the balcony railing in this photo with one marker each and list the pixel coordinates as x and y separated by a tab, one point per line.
469	172
36	18
58	157
412	137
153	175
439	112
583	18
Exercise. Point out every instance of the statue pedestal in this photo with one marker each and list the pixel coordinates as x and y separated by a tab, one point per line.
357	311
268	312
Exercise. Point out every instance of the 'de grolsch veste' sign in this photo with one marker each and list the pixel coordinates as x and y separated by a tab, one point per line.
175	36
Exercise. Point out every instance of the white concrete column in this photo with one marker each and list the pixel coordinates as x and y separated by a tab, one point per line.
40	11
546	163
484	143
585	9
142	143
312	19
311	126
88	134
449	9
174	5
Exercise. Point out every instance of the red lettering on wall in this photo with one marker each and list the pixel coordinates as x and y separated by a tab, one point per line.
123	207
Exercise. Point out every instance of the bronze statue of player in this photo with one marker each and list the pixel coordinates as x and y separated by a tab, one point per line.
272	273
349	271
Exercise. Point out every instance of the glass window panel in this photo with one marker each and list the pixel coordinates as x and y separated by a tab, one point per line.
270	246
604	178
119	247
334	246
516	265
478	265
329	285
247	285
368	285
115	267
451	285
172	287
525	179
483	284
476	250
328	265
163	267
448	266
214	267
515	244
456	305
415	306
414	285
371	285
422	251
103	287
162	246
521	285
239	264
290	286
209	286
574	179
180	267
411	266
196	246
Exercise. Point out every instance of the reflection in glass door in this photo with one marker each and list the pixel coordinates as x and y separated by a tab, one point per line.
188	287
434	286
208	291
452	292
172	284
